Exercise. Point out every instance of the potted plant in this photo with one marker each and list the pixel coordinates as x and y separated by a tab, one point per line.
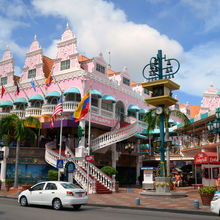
206	194
26	186
8	183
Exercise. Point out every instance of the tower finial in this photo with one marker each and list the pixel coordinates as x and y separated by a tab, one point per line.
35	37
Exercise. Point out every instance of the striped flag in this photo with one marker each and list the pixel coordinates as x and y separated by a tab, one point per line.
58	109
18	90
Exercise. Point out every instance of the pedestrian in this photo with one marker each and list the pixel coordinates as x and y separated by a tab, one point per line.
178	179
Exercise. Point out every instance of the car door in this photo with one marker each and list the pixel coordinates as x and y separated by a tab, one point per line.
49	192
36	194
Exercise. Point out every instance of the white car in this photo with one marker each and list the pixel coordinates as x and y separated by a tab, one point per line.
215	204
54	193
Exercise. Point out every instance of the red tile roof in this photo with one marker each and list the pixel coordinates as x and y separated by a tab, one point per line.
194	109
47	65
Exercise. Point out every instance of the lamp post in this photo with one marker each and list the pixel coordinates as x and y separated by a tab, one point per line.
129	148
158	69
214	127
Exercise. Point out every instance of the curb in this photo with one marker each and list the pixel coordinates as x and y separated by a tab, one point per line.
191	212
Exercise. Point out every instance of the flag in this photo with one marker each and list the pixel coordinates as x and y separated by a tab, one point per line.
58	109
49	80
82	108
18	90
33	84
3	90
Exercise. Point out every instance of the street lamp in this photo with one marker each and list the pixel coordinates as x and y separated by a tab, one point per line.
129	148
214	127
161	70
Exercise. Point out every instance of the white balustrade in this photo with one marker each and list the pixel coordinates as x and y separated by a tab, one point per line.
34	112
48	109
106	113
95	110
114	136
19	113
4	114
70	106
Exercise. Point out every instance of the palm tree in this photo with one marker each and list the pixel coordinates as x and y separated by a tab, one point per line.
13	125
153	121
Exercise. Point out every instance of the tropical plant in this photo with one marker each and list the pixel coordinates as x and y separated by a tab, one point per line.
109	170
53	175
12	125
8	182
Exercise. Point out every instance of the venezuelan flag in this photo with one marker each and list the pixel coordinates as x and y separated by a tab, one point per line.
49	80
82	108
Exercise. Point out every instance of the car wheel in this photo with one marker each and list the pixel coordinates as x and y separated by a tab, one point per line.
23	201
76	207
57	204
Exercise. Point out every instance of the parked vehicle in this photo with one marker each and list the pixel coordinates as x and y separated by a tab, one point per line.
54	193
215	203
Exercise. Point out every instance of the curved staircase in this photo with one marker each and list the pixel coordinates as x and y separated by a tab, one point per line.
97	182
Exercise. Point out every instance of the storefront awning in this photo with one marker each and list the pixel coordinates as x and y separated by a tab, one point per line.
21	100
140	136
143	111
71	90
206	158
36	97
52	94
6	103
95	92
108	97
133	108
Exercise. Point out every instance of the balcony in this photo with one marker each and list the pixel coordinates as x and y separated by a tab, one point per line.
19	113
48	109
70	106
33	112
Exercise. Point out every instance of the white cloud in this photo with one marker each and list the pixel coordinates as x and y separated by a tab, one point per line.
99	26
52	49
200	68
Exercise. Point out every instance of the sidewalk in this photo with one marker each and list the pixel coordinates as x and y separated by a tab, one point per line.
123	199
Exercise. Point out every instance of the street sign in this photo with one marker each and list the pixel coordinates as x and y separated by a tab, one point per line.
71	167
1	155
59	163
89	158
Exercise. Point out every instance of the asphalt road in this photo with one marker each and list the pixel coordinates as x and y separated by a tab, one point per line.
11	210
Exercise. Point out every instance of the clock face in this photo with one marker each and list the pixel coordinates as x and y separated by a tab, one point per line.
159	110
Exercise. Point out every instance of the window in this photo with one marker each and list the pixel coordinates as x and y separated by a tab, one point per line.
215	172
100	68
94	102
132	113
51	186
146	91
107	106
39	186
69	186
206	173
126	81
65	65
4	80
31	73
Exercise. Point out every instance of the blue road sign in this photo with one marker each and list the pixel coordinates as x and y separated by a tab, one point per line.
71	167
59	163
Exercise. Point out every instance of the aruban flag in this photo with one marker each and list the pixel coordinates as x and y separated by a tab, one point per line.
3	90
18	90
58	109
82	108
49	80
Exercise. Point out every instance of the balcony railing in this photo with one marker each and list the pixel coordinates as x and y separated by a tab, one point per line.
19	113
70	106
34	112
48	109
4	114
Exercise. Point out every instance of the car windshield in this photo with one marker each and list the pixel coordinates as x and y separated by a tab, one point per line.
69	186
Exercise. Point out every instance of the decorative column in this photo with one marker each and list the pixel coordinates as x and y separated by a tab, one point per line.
100	105
114	155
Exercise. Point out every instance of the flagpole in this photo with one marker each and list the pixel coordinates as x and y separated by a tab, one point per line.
61	131
23	90
89	134
9	94
38	86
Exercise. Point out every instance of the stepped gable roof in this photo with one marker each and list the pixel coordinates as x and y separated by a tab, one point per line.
194	109
47	65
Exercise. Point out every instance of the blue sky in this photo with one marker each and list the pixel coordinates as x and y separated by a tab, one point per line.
133	31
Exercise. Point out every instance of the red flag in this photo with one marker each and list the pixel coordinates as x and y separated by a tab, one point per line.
3	90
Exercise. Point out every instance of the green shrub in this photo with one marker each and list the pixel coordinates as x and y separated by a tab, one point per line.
53	175
109	170
9	181
207	189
